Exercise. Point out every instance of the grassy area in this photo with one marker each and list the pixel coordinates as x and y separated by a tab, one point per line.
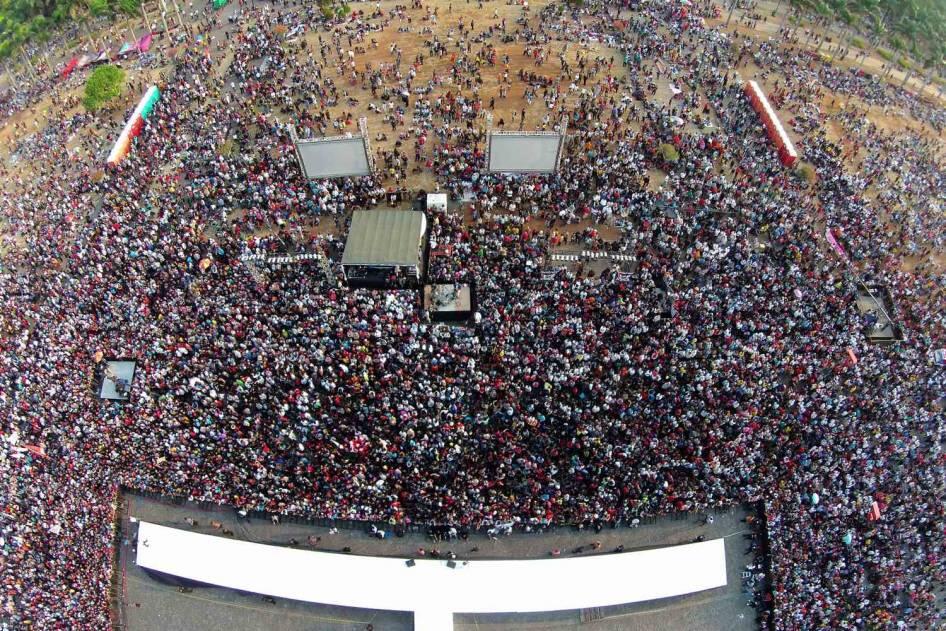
903	63
668	152
885	54
806	172
859	42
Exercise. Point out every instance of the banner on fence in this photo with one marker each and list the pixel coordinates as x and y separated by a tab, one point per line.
133	126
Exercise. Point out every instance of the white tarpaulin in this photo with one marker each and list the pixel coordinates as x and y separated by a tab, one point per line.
432	589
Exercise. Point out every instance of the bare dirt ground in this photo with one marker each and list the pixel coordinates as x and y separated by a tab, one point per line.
443	25
445	28
442	20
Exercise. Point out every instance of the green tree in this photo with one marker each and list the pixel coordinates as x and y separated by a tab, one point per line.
668	152
129	7
99	7
914	27
104	85
806	172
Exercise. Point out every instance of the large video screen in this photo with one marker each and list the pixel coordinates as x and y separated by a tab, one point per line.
334	157
511	152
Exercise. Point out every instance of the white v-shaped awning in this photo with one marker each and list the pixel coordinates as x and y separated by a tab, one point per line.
431	589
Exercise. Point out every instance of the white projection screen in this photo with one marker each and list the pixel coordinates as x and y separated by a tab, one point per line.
323	158
536	152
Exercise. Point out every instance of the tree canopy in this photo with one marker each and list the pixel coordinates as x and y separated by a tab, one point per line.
104	85
917	27
22	21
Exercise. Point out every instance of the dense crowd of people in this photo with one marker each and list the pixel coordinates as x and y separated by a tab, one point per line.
726	364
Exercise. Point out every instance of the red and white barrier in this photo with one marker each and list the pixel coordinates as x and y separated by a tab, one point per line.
773	127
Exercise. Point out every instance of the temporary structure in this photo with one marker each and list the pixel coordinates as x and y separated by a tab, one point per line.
133	126
385	242
773	126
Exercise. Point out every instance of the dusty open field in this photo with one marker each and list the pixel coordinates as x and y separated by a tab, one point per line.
410	35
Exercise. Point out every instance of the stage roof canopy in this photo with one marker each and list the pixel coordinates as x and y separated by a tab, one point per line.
380	238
